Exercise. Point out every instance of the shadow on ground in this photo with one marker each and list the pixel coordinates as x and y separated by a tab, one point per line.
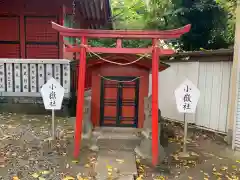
27	153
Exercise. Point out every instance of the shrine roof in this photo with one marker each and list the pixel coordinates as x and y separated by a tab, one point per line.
144	62
96	13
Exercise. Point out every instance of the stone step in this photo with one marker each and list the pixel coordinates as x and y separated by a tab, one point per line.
116	138
121	164
119	144
117	130
116	133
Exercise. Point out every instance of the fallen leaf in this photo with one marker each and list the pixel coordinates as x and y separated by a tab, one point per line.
228	177
138	161
176	157
159	178
206	174
45	172
235	177
224	168
217	173
35	175
140	177
141	169
79	177
120	161
86	165
74	161
210	154
68	178
41	178
109	167
194	154
15	178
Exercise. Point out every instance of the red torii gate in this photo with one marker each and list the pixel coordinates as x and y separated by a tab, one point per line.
119	35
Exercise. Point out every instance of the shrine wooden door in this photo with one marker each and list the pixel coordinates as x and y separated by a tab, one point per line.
119	101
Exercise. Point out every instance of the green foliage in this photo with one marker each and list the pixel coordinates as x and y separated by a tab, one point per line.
230	8
209	21
128	14
213	21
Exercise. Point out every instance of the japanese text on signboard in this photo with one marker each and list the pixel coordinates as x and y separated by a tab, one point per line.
52	95
187	98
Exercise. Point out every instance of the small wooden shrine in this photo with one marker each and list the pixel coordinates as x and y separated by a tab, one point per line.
121	89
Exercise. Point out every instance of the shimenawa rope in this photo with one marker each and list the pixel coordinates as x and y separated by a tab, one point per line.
117	63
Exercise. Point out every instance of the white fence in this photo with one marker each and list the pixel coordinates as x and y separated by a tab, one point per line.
213	81
25	77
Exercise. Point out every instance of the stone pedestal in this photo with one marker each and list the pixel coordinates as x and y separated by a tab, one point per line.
144	150
87	131
87	126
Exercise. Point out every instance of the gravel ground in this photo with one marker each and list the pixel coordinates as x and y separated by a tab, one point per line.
27	151
210	159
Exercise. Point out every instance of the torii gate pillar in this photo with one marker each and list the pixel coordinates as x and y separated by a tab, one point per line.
119	34
155	130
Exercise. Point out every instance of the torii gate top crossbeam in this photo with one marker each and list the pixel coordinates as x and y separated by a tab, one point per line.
128	34
84	34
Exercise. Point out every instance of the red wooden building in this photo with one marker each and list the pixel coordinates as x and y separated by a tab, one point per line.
26	30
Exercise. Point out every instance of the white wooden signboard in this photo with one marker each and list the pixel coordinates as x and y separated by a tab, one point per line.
52	93
187	96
